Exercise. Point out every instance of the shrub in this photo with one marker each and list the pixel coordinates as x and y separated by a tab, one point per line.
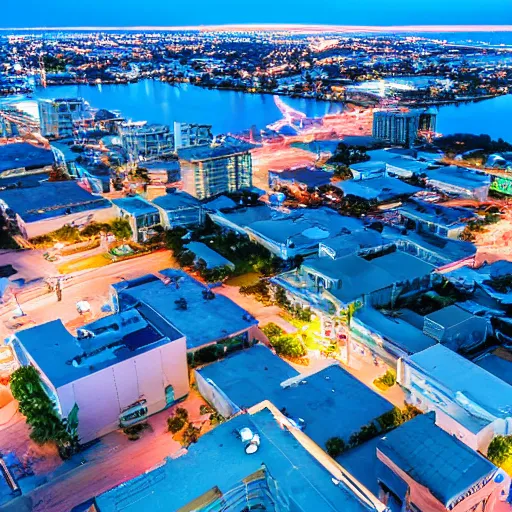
272	330
386	381
185	258
95	228
175	424
205	409
121	229
335	446
366	433
181	413
500	450
216	418
191	435
67	233
289	346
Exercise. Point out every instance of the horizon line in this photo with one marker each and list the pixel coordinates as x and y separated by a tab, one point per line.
270	27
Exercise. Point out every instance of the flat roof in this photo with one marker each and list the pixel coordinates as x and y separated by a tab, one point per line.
459	376
435	459
406	336
51	199
311	177
204	321
254	375
135	205
380	189
449	316
218	460
353	241
459	177
23	154
436	213
176	201
209	152
212	258
500	367
116	338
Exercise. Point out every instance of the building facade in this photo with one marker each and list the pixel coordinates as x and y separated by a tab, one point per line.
59	117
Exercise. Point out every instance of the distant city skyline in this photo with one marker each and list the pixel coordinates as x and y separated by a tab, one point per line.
131	13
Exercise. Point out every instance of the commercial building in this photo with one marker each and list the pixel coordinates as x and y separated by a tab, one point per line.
186	135
204	318
284	474
142	216
207	171
427	469
325	404
470	403
20	160
147	141
303	178
179	209
402	126
460	182
59	118
117	370
38	210
376	188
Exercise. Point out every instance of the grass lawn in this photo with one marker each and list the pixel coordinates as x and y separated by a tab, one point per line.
247	279
96	261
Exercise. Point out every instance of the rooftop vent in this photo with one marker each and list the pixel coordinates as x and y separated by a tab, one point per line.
250	440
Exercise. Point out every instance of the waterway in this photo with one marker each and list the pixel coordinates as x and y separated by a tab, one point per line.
234	111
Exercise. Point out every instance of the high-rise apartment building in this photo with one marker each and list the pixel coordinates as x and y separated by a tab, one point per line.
215	169
58	117
186	135
402	126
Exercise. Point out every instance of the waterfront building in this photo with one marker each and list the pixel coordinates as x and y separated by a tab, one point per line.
470	403
141	140
257	460
402	126
328	403
141	214
448	222
186	135
207	171
427	469
178	209
118	370
59	118
189	306
47	206
460	182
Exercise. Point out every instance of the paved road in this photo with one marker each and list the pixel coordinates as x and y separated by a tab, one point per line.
91	285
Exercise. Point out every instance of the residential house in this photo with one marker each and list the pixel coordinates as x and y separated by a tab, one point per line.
460	182
427	469
178	209
142	216
470	403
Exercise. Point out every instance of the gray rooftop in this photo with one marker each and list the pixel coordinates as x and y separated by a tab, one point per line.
175	201
380	189
437	213
204	321
218	460
435	459
318	399
210	152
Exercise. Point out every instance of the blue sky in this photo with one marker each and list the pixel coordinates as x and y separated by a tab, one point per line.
55	13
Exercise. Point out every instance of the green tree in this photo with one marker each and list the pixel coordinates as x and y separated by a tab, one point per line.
121	229
289	346
335	446
500	450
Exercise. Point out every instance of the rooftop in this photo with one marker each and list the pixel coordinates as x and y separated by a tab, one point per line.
380	189
175	201
114	339
436	213
449	316
311	177
459	177
480	396
499	363
135	205
51	199
210	152
204	321
406	336
317	399
23	154
435	459
209	256
218	461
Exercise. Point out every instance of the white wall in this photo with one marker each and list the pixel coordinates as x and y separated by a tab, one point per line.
103	395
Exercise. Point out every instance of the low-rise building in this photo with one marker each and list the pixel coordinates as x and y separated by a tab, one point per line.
205	318
325	404
141	214
211	258
470	403
117	370
280	471
179	209
38	210
427	469
302	179
376	188
460	182
448	222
